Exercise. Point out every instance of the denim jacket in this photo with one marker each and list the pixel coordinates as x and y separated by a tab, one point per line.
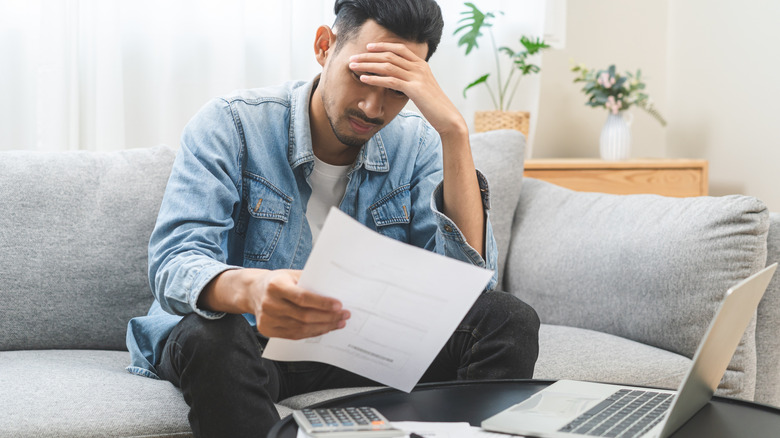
238	192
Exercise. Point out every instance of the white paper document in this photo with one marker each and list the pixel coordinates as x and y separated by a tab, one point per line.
405	303
436	430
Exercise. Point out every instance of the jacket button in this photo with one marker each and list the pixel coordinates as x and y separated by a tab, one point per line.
448	228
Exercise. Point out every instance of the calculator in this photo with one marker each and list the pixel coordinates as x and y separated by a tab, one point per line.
345	423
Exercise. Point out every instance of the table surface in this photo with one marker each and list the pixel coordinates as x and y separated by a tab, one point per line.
475	401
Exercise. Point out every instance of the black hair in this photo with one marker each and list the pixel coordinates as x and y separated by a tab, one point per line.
419	21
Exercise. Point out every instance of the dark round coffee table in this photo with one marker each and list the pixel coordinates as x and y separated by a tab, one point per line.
475	401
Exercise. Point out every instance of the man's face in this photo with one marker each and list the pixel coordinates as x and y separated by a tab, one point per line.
356	111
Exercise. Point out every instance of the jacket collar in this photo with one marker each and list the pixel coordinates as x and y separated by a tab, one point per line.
372	156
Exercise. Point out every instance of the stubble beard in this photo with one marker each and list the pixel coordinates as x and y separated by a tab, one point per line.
343	120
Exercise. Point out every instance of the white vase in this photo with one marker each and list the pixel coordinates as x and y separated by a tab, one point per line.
615	142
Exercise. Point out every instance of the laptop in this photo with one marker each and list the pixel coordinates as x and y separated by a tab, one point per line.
570	408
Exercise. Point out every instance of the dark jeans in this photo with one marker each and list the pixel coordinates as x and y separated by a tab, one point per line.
231	389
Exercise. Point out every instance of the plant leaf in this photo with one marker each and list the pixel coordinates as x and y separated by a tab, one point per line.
477	82
473	20
533	46
511	53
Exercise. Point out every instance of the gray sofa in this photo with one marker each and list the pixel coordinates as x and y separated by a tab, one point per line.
624	285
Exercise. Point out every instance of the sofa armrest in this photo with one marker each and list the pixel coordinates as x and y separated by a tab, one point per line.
499	156
768	326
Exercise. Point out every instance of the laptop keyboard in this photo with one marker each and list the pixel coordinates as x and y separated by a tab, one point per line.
626	413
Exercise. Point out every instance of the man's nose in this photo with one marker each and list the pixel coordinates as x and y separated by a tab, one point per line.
373	103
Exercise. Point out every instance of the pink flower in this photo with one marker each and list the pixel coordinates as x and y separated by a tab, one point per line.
612	105
604	80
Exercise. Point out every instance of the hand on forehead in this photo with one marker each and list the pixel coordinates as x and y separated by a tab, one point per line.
374	38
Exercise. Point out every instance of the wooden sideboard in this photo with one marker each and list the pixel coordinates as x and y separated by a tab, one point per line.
668	177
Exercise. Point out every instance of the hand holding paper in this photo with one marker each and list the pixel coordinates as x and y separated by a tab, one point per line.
405	303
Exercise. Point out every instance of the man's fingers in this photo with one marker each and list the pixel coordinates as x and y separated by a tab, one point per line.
380	63
376	57
289	328
398	48
286	288
315	301
288	311
303	306
379	70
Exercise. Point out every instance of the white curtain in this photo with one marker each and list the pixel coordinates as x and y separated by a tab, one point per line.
115	74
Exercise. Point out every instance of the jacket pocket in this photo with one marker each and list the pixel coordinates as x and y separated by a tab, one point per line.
268	211
392	213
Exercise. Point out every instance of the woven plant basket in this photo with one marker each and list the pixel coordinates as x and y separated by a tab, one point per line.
494	120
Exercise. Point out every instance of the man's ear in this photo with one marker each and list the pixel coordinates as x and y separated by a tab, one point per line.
324	41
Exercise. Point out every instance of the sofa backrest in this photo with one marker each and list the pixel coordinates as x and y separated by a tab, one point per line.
75	227
648	268
74	231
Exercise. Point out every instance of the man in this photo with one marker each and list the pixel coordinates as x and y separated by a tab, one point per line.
248	193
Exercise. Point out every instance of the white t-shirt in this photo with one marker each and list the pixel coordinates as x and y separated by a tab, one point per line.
328	184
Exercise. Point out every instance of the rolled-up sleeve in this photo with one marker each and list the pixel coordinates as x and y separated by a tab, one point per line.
188	246
441	234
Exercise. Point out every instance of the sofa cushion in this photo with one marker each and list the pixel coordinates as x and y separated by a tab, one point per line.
84	393
582	354
305	400
647	268
75	227
499	156
87	393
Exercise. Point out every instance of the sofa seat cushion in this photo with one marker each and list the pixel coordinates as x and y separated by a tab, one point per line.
85	393
305	400
582	354
88	393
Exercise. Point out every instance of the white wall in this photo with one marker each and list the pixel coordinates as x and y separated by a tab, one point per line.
724	92
629	34
711	66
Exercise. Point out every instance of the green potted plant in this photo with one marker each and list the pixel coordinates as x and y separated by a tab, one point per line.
471	26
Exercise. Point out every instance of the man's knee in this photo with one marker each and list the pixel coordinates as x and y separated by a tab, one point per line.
506	309
506	331
218	337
